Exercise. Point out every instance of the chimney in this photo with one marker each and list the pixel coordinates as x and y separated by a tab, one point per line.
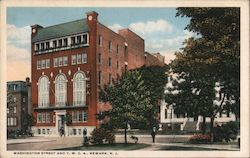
92	16
34	29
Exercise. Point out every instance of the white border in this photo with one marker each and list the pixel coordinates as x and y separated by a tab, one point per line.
243	4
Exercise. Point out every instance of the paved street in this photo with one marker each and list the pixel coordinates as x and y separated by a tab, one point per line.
162	142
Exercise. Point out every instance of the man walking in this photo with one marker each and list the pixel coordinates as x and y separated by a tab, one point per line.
153	132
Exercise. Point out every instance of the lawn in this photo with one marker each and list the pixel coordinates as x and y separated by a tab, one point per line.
117	146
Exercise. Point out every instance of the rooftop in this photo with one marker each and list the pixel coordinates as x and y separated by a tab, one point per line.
61	30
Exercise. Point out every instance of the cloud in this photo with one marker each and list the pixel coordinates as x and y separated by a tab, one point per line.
151	27
20	37
18	63
16	54
115	27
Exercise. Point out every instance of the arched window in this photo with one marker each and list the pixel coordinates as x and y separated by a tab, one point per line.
61	90
79	89
43	92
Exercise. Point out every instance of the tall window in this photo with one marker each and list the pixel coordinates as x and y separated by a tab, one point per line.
100	40
79	89
110	46
43	92
61	90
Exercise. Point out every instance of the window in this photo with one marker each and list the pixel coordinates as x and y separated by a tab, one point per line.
78	39
73	58
39	118
14	88
99	77
60	61
39	131
79	58
79	89
47	45
44	131
43	117
14	99
37	47
80	131
24	99
54	44
61	90
65	61
47	63
55	62
100	40
14	111
38	64
79	116
73	40
74	116
117	49
60	43
84	58
47	117
8	110
43	64
99	58
48	131
65	42
14	121
85	39
110	46
85	116
42	46
117	65
43	92
110	62
110	79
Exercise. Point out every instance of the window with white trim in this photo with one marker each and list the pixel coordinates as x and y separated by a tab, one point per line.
47	117
43	64
37	47
110	46
79	116
85	38
85	116
73	59
47	45
79	89
99	58
79	58
14	110
65	61
47	63
43	92
55	62
38	64
60	43
39	118
60	61
61	90
84	58
43	117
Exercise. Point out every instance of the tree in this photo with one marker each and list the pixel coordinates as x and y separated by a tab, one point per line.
212	57
155	79
28	121
130	102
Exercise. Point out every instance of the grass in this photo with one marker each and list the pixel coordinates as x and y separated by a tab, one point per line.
116	146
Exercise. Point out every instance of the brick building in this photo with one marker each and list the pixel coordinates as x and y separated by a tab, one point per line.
70	63
17	104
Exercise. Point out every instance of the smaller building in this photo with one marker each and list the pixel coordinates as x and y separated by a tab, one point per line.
154	59
18	97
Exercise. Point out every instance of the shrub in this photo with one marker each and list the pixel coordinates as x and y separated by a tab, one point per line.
200	138
226	132
100	136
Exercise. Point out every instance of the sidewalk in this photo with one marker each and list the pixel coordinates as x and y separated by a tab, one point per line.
30	140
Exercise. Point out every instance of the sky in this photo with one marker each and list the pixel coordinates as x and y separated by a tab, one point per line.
162	31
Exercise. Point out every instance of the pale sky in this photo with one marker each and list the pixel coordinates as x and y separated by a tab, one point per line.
161	30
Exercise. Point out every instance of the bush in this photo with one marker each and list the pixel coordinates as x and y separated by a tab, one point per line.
200	138
226	132
100	136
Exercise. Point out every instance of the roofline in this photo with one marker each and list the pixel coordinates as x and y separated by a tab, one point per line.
132	32
111	30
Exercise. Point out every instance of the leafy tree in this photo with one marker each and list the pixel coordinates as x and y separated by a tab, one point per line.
155	79
130	102
211	58
28	121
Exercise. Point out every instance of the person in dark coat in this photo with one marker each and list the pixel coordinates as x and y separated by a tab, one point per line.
153	133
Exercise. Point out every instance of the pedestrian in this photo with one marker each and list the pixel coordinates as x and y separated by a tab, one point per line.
153	133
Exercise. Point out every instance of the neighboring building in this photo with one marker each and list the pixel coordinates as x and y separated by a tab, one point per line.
17	103
160	57
171	121
151	59
71	62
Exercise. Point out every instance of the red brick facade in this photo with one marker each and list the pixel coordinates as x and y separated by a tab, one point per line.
107	54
